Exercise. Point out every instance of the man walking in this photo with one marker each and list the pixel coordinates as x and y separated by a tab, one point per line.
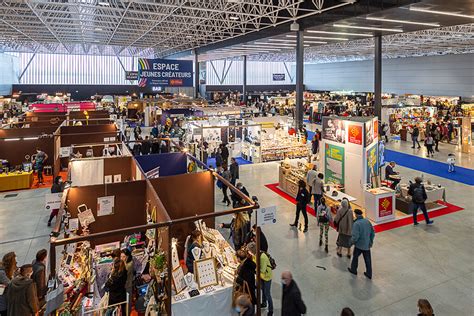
21	293
418	197
291	304
234	171
414	136
362	238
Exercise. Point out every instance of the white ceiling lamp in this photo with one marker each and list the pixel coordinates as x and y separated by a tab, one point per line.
459	15
235	18
402	21
98	29
103	3
291	36
339	33
306	45
275	44
371	28
327	38
315	42
280	40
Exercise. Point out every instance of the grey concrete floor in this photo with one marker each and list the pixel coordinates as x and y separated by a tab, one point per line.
434	262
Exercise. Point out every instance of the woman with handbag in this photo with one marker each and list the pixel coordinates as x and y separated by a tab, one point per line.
343	222
324	218
246	276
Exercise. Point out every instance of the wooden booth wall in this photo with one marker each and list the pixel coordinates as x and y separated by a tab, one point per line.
129	210
15	151
79	115
186	195
88	134
119	165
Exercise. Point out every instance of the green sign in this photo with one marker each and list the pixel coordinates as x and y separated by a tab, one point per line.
334	164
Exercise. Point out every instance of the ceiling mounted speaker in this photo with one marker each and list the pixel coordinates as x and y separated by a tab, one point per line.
294	27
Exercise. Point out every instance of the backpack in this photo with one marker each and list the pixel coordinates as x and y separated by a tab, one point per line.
273	264
418	196
323	217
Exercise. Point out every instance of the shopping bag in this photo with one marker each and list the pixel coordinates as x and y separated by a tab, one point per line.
85	216
239	290
54	297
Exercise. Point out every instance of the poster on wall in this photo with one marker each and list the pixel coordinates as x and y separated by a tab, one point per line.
165	73
385	206
372	165
211	135
105	205
369	133
334	164
355	134
334	130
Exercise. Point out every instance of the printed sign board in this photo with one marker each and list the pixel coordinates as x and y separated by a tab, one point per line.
278	77
131	75
165	73
266	216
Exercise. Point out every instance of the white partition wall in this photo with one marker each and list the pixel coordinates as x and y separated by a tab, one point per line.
350	153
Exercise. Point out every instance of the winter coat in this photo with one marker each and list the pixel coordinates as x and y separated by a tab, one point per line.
116	287
344	221
21	297
238	235
363	233
292	303
39	277
246	272
303	197
234	170
4	280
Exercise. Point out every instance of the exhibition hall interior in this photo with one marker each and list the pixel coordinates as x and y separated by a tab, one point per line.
236	157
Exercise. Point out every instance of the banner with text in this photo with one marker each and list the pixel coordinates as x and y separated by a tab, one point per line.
165	73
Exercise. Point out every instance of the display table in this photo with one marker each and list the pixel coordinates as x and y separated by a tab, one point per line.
380	204
434	193
340	195
216	303
16	181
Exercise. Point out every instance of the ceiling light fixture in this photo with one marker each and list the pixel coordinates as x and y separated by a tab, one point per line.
367	28
98	29
315	42
292	36
234	18
104	3
339	33
327	38
402	21
460	15
280	40
279	44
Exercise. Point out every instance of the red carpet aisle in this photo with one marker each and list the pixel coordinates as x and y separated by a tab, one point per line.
449	208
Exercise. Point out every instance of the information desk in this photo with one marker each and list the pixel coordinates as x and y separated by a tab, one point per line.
215	303
16	181
380	204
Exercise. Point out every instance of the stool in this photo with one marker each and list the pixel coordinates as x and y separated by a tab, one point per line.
48	170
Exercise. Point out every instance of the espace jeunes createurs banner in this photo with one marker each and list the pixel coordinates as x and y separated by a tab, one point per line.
165	72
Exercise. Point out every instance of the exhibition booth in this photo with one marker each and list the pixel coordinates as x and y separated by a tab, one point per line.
351	162
150	219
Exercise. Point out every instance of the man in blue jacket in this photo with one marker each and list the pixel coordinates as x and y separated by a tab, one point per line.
362	238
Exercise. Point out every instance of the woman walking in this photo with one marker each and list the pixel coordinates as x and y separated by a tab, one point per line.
302	199
343	221
7	270
429	142
239	228
324	218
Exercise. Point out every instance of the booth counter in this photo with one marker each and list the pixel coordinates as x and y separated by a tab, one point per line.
380	205
16	181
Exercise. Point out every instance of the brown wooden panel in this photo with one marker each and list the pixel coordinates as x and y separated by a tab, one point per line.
118	165
129	206
186	195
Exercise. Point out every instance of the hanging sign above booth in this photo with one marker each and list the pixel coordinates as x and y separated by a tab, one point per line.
278	77
131	75
165	73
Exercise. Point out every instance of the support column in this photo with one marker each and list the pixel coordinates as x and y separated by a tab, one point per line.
244	80
299	79
378	77
196	75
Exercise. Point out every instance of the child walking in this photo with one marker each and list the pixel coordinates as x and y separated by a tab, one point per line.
451	162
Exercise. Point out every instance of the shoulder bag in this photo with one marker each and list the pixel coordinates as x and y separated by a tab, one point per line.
336	224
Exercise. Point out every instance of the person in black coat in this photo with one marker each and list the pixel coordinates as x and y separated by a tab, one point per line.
146	146
246	273
155	147
252	237
291	303
234	171
115	285
302	199
225	154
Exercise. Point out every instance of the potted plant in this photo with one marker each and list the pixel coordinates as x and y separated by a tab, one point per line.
159	265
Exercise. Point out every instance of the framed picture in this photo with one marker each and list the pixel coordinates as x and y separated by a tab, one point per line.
178	279
206	272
